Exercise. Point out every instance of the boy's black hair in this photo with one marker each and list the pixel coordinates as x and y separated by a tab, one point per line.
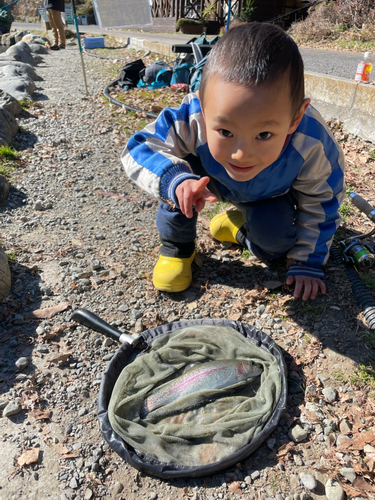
255	54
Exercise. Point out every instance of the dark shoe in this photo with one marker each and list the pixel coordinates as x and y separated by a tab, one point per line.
62	46
55	47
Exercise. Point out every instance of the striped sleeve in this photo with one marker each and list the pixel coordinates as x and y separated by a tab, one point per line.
154	157
319	189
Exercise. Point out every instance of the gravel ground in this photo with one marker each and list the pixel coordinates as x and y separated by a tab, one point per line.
74	246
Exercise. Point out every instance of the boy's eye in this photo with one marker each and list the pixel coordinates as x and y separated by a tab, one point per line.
263	136
225	133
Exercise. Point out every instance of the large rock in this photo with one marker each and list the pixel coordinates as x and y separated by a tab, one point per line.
8	127
19	35
8	102
4	189
24	68
38	48
20	87
19	52
5	277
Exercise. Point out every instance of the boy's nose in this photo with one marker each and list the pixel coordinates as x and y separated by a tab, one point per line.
241	155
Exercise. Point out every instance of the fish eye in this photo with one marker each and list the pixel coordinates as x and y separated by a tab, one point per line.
263	136
225	133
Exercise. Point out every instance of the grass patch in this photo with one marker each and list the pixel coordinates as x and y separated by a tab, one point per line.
246	254
363	376
11	255
345	210
8	153
217	208
9	159
26	104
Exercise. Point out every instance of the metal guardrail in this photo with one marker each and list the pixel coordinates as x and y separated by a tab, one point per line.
286	14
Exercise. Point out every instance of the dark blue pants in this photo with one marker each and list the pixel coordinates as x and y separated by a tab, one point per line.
269	230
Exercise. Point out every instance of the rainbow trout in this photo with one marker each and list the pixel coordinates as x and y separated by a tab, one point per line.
202	377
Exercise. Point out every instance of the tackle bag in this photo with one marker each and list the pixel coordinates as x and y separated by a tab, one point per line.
181	73
148	75
129	75
196	75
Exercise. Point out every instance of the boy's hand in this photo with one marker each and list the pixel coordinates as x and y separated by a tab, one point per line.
311	285
193	193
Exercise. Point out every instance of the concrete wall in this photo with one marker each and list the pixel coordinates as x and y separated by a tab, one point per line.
352	103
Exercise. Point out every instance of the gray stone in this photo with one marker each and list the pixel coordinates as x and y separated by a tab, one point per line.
334	490
20	87
5	276
255	474
19	52
7	101
8	126
308	481
298	434
3	403
19	35
12	408
349	473
261	309
21	363
330	394
4	189
88	494
73	483
39	205
37	48
118	487
25	69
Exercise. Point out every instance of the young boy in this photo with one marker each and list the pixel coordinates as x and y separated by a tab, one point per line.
250	138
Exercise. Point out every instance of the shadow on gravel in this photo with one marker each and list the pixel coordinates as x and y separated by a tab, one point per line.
331	319
24	140
17	328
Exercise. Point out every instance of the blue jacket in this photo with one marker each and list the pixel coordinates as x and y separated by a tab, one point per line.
311	164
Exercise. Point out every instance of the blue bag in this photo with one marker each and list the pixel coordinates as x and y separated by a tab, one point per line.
181	73
163	79
196	75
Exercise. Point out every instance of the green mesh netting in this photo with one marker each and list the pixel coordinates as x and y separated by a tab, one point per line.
202	435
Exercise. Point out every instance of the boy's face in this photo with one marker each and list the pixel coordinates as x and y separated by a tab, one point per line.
247	127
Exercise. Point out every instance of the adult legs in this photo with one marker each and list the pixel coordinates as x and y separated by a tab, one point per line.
57	25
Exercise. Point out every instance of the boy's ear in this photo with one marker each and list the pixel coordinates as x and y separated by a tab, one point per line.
297	119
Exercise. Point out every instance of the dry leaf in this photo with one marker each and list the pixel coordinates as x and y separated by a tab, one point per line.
235	487
28	457
40	414
60	357
363	485
49	312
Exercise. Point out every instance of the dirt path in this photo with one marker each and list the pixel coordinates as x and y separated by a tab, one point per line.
81	235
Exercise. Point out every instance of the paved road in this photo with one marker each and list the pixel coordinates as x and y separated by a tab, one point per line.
328	62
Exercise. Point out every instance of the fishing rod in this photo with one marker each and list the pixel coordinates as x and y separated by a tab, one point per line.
79	44
7	5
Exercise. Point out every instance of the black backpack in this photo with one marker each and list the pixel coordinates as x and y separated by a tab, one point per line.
129	76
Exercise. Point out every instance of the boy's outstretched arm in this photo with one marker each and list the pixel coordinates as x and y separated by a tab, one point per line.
193	193
308	284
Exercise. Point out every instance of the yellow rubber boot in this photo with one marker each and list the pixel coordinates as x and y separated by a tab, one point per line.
173	274
225	226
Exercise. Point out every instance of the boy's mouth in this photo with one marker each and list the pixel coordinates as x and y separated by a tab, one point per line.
241	169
